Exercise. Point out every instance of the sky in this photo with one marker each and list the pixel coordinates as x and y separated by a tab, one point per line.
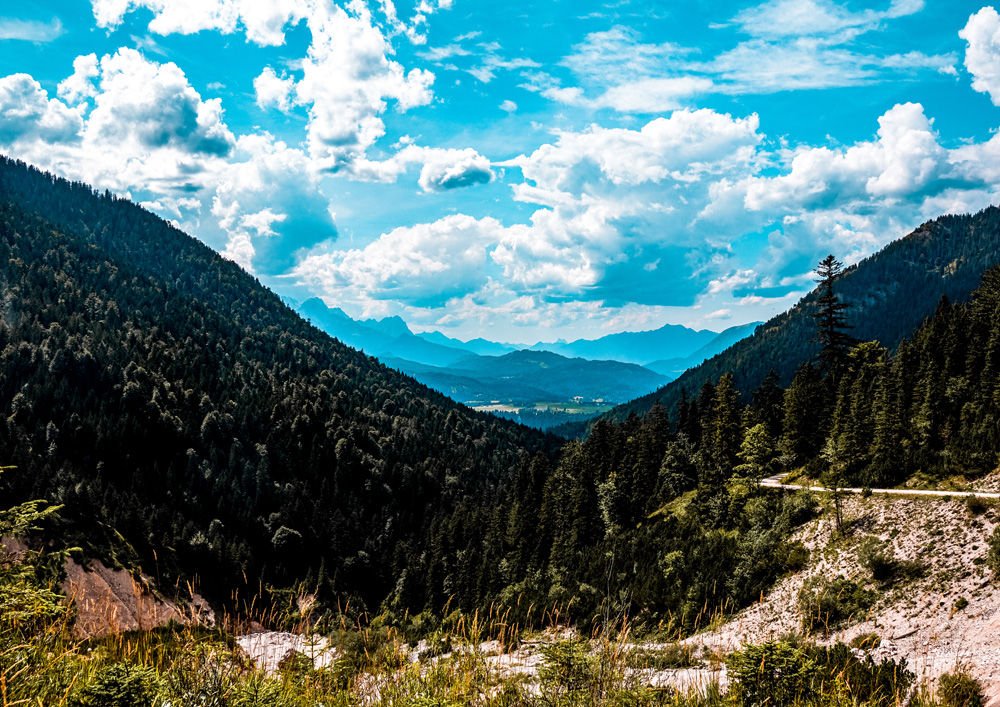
518	171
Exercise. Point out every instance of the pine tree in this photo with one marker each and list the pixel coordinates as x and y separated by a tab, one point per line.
830	320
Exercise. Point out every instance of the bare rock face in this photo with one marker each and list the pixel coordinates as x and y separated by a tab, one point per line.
273	650
108	601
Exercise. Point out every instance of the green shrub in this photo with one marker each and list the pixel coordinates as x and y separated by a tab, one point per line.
866	641
669	657
826	603
773	673
120	685
566	663
960	689
977	505
259	691
868	683
993	556
961	603
877	557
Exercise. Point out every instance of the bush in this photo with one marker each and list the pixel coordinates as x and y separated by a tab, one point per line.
993	556
877	557
867	682
778	674
669	657
773	673
977	505
866	641
120	685
960	689
566	664
824	602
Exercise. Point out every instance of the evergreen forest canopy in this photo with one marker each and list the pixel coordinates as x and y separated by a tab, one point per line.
191	422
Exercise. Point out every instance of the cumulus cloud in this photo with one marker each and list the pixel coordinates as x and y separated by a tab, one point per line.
268	204
139	128
26	112
347	76
683	144
273	91
453	169
154	106
442	168
640	221
609	198
982	55
424	265
852	200
80	85
263	20
343	82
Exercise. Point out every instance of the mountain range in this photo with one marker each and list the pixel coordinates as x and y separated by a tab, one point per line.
485	373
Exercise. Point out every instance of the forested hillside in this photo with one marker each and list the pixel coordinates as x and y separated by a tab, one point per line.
668	519
191	423
890	293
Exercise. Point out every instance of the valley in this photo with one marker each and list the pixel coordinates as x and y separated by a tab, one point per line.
544	385
201	450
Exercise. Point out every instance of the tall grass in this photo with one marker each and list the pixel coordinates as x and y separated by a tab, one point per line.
483	658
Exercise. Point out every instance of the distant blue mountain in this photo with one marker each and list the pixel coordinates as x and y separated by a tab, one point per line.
476	346
482	371
667	342
385	338
527	377
673	367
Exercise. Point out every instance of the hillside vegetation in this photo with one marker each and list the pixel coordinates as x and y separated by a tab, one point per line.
192	424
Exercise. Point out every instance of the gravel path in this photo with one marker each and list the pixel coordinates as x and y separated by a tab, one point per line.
775	483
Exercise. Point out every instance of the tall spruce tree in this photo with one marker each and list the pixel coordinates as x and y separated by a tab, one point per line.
831	322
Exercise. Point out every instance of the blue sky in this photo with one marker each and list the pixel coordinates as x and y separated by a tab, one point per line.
524	171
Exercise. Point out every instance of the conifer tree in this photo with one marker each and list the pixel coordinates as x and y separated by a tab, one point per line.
831	322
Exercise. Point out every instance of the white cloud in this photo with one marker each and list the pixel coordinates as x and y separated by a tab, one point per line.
442	169
905	162
982	55
149	134
794	45
31	30
262	20
147	105
346	77
684	144
80	85
273	91
508	106
453	169
778	19
491	61
426	264
26	112
659	95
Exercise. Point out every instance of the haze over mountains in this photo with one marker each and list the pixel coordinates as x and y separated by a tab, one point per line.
489	374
